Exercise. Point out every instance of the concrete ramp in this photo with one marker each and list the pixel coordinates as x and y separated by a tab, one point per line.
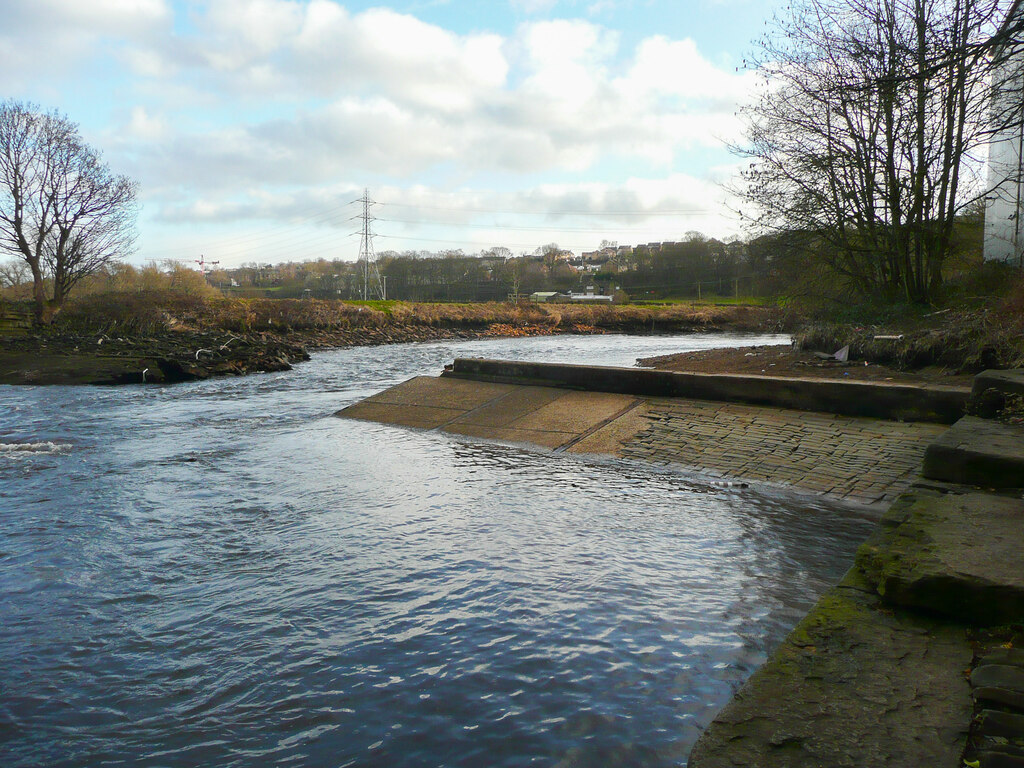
557	419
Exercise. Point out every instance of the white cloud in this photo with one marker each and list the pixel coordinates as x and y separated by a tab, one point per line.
407	97
106	17
55	38
533	6
146	127
266	97
676	68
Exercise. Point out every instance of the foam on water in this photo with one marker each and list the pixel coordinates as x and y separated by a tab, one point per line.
22	449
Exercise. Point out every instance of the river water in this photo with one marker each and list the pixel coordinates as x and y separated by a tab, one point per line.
223	573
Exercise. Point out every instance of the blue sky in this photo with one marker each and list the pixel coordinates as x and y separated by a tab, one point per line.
252	124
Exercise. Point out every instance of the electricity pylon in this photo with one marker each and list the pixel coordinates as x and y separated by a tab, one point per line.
371	277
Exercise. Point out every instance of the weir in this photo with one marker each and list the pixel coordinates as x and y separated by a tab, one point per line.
910	659
831	437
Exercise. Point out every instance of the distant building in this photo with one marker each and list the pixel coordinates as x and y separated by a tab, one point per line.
548	297
589	297
1004	228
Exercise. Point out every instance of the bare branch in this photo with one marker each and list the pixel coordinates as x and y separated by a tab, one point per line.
62	211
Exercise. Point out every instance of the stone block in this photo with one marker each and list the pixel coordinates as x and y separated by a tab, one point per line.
992	388
1000	697
902	402
957	556
979	452
998	676
992	723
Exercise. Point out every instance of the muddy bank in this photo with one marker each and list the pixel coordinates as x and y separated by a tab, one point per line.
181	339
784	360
61	358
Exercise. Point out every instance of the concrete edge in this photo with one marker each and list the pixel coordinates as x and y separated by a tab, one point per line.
894	402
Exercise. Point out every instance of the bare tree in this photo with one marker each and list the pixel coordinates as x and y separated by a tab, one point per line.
14	272
869	138
61	209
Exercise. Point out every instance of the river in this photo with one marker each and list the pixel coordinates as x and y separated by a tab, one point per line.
223	573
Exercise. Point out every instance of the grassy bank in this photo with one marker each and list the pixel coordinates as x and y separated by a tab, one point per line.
147	313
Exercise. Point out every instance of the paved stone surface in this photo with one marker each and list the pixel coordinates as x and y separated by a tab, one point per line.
853	685
980	452
861	460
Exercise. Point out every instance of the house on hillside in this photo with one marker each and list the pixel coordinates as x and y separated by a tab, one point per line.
1004	205
548	297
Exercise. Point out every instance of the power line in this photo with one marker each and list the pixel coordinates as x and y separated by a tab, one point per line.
679	212
328	217
285	236
459	242
513	228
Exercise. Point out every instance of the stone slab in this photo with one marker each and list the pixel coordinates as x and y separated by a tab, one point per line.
853	685
958	556
980	452
576	412
510	407
541	416
611	438
416	416
1008	382
550	439
452	393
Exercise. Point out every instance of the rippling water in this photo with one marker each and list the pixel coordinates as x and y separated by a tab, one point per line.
222	573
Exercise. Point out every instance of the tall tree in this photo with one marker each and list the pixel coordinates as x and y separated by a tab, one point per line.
869	135
61	209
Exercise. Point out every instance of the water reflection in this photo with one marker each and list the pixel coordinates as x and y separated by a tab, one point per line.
222	573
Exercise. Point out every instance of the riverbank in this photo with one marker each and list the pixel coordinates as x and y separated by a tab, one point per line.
789	361
168	338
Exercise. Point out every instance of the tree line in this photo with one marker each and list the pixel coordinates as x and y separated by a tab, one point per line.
866	174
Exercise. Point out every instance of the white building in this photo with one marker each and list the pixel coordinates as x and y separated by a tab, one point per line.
1004	209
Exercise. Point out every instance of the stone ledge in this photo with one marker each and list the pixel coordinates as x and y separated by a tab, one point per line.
853	685
993	390
978	452
957	556
894	402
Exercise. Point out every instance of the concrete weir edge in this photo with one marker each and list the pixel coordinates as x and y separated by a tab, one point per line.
894	402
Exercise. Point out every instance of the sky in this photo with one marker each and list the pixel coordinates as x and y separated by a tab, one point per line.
252	126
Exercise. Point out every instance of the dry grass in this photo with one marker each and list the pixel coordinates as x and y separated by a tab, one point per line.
963	340
150	312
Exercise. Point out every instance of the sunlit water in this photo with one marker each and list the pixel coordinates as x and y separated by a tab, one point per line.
224	574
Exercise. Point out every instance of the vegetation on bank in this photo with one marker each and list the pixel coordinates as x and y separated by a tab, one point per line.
168	336
979	325
157	312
